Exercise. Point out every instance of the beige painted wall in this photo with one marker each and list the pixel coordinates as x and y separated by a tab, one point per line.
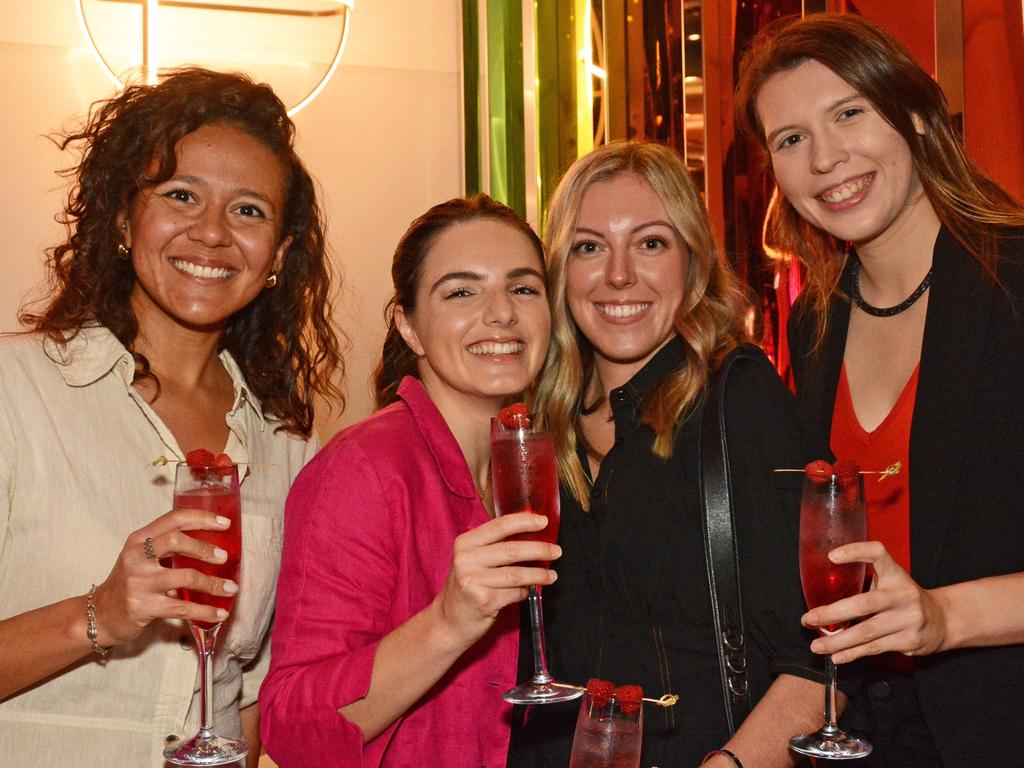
383	139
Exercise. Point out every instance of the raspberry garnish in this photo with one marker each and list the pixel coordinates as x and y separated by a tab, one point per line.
819	471
630	698
601	691
516	416
223	464
846	472
200	458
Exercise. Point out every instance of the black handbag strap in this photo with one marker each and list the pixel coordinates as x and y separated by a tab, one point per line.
720	545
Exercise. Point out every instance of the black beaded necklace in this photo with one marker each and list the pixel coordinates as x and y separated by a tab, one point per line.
904	305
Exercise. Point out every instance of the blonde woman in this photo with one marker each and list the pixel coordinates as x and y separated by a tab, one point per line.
645	310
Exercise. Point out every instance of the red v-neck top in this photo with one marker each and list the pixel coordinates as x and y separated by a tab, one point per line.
888	500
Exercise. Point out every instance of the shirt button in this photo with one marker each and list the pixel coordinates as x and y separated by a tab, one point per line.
879	689
185	642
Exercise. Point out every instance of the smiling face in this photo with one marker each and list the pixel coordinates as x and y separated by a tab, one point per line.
836	159
204	241
626	275
481	321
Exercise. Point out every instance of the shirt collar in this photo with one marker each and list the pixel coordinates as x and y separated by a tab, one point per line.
667	359
441	443
626	400
94	352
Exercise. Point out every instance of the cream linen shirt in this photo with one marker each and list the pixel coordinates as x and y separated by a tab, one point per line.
77	476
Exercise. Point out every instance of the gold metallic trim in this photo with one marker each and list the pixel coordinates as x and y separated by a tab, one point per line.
205	6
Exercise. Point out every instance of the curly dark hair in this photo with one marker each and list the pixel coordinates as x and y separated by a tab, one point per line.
284	341
397	360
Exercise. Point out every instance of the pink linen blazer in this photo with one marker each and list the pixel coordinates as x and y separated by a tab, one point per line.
369	528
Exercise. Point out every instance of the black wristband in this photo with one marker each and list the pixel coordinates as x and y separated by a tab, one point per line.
735	760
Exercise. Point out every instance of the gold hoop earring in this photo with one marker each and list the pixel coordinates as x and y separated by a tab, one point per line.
123	251
272	280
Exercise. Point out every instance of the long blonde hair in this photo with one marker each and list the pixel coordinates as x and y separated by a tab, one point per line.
970	204
709	320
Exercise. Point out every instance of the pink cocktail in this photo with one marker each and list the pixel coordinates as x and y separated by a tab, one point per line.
831	515
213	489
220	498
524	479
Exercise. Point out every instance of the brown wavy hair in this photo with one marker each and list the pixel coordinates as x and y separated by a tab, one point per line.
284	341
397	360
709	319
975	209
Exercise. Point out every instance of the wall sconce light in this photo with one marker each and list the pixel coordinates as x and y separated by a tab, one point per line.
295	45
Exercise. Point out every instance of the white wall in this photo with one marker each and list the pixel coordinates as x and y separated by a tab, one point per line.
383	139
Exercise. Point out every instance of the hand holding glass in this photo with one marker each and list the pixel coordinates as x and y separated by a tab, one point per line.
831	514
217	491
524	479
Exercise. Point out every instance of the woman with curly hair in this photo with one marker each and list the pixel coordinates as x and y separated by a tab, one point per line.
190	310
907	345
645	312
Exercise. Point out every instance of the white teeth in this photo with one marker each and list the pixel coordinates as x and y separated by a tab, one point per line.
622	310
494	348
197	270
847	191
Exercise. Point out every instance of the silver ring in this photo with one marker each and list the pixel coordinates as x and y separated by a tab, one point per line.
147	545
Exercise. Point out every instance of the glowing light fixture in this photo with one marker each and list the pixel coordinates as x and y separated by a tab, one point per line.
183	35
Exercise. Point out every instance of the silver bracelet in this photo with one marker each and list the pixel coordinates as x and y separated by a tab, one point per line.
90	623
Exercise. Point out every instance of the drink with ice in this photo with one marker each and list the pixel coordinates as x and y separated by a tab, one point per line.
609	732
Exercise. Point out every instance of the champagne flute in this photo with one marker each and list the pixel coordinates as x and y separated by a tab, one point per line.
523	479
215	490
831	514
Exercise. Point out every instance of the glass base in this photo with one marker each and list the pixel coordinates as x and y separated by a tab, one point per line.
534	692
831	743
206	748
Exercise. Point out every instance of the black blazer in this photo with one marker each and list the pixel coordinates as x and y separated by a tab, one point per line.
966	478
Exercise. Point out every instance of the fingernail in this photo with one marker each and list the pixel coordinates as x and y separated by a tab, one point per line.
222	614
554	575
230	587
223	521
558	552
816	646
220	554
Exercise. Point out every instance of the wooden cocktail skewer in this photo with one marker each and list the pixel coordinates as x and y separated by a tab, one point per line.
893	469
668	700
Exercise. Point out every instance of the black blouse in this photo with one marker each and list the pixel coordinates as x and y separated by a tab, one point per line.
632	603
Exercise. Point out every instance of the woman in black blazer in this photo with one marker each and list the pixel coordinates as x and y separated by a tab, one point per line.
909	325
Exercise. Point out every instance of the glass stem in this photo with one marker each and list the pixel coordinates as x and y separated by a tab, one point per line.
830	696
540	664
206	640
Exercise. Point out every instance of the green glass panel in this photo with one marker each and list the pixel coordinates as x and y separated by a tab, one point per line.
471	95
557	65
505	107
